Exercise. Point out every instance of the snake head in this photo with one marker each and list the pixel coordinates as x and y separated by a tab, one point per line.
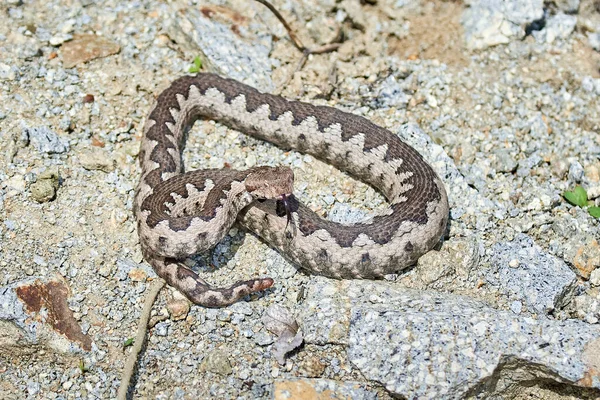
274	183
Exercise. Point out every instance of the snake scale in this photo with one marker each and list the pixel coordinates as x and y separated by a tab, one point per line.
182	213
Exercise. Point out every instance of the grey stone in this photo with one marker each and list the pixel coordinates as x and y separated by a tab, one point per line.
538	128
263	339
457	259
8	72
46	140
242	57
559	26
162	328
60	38
576	171
126	265
492	22
423	344
590	84
10	224
526	165
587	308
217	361
595	277
516	307
241	307
522	271
594	40
391	94
504	161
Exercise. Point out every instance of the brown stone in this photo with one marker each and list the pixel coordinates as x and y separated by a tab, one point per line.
137	275
52	296
178	308
86	47
587	258
305	389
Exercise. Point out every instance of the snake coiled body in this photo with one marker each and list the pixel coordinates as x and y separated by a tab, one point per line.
182	213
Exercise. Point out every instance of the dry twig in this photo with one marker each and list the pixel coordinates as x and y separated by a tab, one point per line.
139	339
295	39
306	51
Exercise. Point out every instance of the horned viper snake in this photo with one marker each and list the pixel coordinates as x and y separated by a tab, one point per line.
182	213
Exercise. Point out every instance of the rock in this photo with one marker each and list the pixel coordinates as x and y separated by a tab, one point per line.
527	165
504	161
355	13
8	72
391	95
309	389
34	313
583	252
86	47
492	22
595	277
128	268
312	367
576	171
217	362
538	126
137	275
522	271
456	259
587	308
60	38
559	26
46	140
178	308
46	186
423	344
16	183
43	191
590	84
96	159
594	40
238	52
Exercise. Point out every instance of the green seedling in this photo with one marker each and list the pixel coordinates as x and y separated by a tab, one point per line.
82	367
578	197
197	65
128	342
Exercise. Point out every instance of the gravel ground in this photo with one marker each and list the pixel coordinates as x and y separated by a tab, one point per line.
506	109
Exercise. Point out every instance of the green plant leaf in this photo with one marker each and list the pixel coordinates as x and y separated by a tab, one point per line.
128	342
577	197
197	66
82	367
594	211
